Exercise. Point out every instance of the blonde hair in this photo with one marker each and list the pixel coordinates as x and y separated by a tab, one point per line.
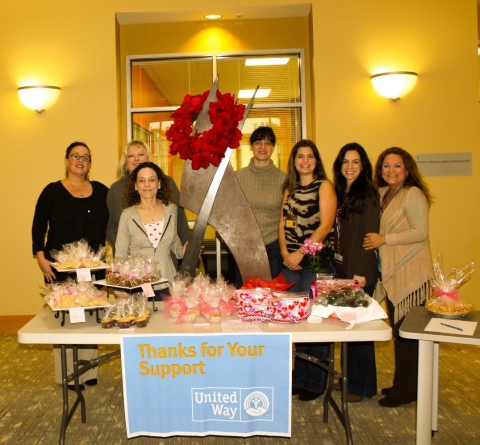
122	165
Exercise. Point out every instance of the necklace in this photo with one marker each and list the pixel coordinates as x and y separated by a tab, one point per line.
79	188
152	216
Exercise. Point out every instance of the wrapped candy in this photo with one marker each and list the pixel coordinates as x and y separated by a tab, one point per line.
345	297
190	298
77	255
127	312
445	301
321	288
217	300
133	271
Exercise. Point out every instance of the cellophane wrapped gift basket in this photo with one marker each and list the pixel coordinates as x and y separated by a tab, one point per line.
70	294
133	271
77	255
445	301
129	310
199	296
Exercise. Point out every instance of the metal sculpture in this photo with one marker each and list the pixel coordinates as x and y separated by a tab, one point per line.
215	195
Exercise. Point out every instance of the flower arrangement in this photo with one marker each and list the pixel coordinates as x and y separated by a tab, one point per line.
207	147
312	249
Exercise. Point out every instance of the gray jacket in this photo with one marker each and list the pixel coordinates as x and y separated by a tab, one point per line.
132	238
115	209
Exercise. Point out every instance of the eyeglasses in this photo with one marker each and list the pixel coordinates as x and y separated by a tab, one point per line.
85	158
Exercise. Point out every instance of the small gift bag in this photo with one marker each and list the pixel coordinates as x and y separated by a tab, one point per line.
445	301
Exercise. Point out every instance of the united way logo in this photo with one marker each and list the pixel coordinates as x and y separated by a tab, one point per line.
232	404
256	404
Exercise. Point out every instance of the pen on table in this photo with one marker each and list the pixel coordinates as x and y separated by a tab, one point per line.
450	326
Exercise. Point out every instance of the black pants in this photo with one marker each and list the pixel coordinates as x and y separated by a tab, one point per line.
405	378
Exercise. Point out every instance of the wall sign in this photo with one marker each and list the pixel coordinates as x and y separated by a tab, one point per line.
445	164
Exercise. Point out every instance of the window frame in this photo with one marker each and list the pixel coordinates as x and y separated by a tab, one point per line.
214	55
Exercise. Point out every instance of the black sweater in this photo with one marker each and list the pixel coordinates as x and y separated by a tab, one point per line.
69	219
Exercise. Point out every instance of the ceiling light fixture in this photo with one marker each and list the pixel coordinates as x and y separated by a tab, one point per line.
38	97
395	84
213	16
265	61
261	93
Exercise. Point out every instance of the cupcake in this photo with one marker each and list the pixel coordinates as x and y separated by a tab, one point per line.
141	322
124	323
108	323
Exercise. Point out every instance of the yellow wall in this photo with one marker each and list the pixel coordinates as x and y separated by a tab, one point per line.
74	45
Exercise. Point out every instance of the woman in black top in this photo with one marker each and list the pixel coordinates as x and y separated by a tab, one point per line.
70	210
358	213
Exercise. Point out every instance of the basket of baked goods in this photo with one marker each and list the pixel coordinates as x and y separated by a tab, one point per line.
78	255
445	301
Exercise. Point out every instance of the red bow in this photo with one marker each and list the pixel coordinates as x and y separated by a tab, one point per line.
278	283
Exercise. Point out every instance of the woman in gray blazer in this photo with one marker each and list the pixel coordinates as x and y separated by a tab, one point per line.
149	223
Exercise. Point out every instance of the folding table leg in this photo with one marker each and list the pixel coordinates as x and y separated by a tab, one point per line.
63	427
425	392
436	356
346	417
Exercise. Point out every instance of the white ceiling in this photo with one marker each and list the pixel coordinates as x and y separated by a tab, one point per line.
227	13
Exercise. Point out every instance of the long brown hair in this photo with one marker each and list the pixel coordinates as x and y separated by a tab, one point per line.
292	174
413	179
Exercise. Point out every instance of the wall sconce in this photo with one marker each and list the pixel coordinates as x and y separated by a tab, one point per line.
38	97
395	84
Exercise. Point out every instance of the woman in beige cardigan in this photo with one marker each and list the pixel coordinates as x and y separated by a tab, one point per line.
405	259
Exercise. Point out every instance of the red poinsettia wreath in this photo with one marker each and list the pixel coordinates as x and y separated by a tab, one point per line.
208	147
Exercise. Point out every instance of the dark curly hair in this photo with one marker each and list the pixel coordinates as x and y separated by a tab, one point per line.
361	189
131	196
413	179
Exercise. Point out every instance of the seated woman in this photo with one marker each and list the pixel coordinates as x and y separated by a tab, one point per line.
149	223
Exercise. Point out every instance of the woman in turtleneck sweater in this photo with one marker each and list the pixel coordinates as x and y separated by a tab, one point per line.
262	184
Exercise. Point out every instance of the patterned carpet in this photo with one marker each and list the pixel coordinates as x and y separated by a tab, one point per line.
30	406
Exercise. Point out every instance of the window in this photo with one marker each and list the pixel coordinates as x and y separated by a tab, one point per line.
158	84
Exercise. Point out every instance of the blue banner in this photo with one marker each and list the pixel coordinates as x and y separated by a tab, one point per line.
208	384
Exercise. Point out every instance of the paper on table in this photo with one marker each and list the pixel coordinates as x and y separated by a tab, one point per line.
435	325
239	326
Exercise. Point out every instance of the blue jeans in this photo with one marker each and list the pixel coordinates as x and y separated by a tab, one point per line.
307	375
361	366
275	261
302	278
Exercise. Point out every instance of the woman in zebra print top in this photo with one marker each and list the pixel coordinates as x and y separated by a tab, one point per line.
308	211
